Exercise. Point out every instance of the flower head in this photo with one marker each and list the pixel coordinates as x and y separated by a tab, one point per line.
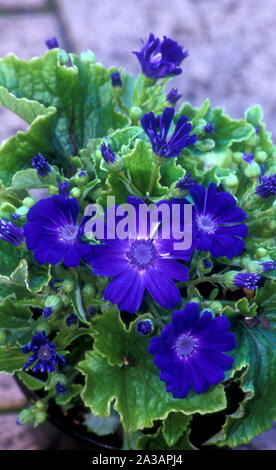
160	58
60	389
173	96
107	154
47	312
43	353
64	188
116	79
41	165
186	183
190	351
267	186
248	157
142	260
52	43
268	266
209	128
144	327
71	319
53	233
10	233
217	221
246	280
157	129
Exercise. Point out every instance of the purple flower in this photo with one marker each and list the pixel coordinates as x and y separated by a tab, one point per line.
52	43
160	58
64	188
249	281
60	389
217	221
53	232
44	354
207	263
157	129
144	327
185	183
41	165
267	186
190	351
15	216
139	262
47	312
107	154
268	266
248	157
209	128
10	233
116	79
173	96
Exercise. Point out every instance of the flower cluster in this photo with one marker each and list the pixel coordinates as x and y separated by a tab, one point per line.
44	354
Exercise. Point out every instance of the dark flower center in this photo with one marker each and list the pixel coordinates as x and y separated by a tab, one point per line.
185	345
206	224
69	233
44	352
142	253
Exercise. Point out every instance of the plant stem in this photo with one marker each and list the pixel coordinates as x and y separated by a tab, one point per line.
131	185
153	177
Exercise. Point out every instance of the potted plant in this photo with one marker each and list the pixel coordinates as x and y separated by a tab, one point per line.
137	278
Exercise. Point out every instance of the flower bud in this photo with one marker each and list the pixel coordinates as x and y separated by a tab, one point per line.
144	327
231	181
75	192
135	113
63	57
252	170
65	299
69	285
199	128
253	140
88	292
54	302
237	157
215	306
260	156
261	252
81	178
25	416
88	56
29	202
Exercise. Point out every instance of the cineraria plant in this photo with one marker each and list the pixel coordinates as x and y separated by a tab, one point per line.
165	347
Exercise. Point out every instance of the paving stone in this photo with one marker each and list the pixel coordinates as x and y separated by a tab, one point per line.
231	59
10	393
13	4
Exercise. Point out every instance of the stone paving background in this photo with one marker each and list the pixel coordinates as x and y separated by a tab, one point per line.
232	60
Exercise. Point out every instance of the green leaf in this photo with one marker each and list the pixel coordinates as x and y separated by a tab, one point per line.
201	112
171	172
255	357
133	381
14	317
27	179
78	306
102	426
11	360
254	115
174	426
33	383
158	442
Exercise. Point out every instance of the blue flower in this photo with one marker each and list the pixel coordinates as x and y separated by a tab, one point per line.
41	165
217	221
71	319
209	128
157	129
53	232
10	233
60	389
268	266
52	43
190	350
267	186
248	157
173	96
64	188
43	353
140	261
107	154
186	183
47	312
144	327
160	58
247	280
116	79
